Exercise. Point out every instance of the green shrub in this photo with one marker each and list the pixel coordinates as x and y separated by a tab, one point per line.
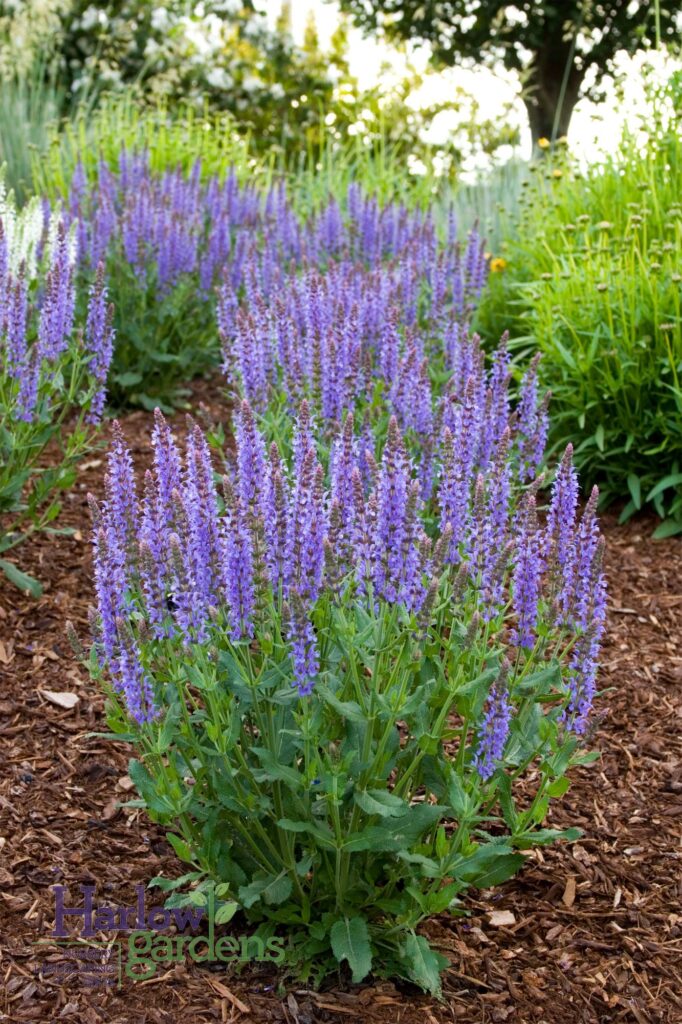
593	278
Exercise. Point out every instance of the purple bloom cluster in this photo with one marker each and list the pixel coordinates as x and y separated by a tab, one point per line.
221	230
39	342
495	727
284	533
332	337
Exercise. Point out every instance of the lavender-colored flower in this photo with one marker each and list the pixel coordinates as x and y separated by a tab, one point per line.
304	652
458	455
494	730
343	461
167	467
130	677
56	315
99	334
396	562
306	531
533	422
527	579
14	323
582	680
108	592
250	459
121	504
493	533
237	567
585	564
199	500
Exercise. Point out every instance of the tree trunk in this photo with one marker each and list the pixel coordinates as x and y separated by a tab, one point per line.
549	113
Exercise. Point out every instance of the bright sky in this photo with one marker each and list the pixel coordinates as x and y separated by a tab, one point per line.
593	128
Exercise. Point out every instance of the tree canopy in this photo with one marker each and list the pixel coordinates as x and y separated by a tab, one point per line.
552	44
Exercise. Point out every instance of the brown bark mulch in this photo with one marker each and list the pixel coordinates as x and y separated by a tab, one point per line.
594	929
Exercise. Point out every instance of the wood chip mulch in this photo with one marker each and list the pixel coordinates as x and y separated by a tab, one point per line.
588	932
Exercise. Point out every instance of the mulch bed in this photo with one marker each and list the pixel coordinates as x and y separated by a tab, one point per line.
597	925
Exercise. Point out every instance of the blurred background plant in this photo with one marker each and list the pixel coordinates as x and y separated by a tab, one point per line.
220	62
591	276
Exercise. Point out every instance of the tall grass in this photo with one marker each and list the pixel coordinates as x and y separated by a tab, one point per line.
30	105
180	136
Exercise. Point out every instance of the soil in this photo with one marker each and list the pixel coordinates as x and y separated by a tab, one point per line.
592	931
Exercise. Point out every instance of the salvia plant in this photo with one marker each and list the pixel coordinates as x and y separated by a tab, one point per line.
377	336
169	239
53	372
351	697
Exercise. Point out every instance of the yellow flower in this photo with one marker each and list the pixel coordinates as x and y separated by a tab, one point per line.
556	173
497	265
544	143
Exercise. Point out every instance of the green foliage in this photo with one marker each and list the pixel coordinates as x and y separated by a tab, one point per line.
345	818
593	277
163	341
30	482
171	139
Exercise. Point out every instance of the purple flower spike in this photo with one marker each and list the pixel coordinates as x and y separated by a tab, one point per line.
305	656
495	728
237	567
306	531
276	504
582	681
533	422
167	467
250	459
527	576
585	562
99	335
121	504
131	679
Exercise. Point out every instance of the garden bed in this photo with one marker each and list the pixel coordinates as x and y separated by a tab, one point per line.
595	933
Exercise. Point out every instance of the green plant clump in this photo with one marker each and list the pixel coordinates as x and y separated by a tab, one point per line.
594	278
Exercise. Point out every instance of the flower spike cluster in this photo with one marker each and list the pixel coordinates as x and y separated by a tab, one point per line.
283	536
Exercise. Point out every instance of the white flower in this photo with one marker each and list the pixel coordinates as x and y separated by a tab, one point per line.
218	78
160	19
92	17
251	83
276	91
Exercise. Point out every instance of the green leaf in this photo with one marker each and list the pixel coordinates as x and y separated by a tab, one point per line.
146	787
180	846
225	912
668	528
396	833
423	963
381	802
273	889
273	770
673	480
350	941
128	379
458	797
599	437
559	787
348	709
489	865
545	836
635	488
323	836
21	579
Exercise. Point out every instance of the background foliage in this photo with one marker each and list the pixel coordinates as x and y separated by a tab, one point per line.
592	278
